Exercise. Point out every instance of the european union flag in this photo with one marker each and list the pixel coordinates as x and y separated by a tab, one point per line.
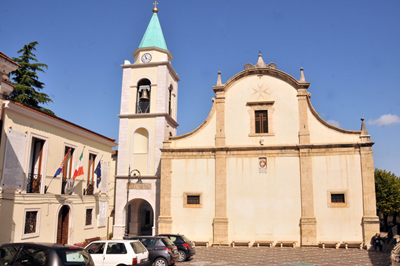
98	173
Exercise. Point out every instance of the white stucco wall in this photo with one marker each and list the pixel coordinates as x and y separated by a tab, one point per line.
263	206
193	176
340	174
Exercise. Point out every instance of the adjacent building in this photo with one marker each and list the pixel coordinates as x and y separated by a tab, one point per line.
36	204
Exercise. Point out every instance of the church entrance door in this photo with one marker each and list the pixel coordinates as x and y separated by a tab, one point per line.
141	218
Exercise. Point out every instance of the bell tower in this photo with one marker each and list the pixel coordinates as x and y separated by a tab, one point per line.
148	110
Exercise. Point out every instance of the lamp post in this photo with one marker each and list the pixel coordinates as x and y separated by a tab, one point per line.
136	174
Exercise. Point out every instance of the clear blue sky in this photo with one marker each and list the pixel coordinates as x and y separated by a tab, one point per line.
350	51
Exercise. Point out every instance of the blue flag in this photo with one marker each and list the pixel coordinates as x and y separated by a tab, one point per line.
98	173
61	168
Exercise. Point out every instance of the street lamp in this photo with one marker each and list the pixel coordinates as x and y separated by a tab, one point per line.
136	174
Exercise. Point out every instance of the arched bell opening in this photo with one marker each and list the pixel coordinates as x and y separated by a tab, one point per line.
143	96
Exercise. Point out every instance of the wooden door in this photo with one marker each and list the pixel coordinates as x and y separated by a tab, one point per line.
62	227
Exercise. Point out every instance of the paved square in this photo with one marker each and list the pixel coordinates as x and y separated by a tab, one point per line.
286	256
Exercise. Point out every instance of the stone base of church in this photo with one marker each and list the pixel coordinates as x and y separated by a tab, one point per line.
308	228
220	231
165	225
370	228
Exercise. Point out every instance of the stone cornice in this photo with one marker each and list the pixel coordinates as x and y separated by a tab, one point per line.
155	64
263	71
152	48
147	115
287	147
133	179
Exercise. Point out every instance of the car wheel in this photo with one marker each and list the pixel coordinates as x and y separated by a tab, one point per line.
182	255
160	262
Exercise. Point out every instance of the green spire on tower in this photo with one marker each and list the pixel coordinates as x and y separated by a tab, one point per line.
153	37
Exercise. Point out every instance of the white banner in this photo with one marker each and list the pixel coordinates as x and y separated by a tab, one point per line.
14	159
102	218
105	169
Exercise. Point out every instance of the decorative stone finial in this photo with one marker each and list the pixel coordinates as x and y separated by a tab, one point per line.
363	127
219	79
302	78
155	10
260	62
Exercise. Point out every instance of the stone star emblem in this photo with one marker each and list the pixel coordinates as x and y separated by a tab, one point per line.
260	91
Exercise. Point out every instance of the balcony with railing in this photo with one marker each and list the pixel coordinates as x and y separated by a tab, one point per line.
33	185
90	188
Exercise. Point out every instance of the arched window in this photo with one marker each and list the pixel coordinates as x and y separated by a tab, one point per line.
140	150
170	100
143	97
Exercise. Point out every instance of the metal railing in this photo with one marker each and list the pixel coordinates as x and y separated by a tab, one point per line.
33	185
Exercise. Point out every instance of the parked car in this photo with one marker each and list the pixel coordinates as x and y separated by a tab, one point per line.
43	254
162	251
118	252
395	255
186	248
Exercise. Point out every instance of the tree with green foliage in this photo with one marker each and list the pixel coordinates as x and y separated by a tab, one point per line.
26	80
387	189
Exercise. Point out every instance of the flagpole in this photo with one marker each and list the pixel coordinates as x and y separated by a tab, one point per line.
63	161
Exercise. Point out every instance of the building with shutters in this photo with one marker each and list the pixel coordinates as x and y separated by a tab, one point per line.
35	206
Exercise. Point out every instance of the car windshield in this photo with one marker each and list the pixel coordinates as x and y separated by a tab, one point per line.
147	242
168	241
138	247
74	257
96	248
7	253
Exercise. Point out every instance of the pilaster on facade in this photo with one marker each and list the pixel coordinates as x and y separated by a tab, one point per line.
220	222
220	231
165	218
370	220
308	222
220	110
304	133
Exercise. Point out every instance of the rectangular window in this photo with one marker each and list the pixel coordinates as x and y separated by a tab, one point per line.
337	198
67	169
192	200
35	169
261	121
90	180
89	215
31	223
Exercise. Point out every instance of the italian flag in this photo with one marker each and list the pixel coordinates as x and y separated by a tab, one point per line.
79	167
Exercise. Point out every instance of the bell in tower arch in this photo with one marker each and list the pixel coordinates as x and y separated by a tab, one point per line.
144	96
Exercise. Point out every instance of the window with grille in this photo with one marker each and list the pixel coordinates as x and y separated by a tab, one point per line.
89	216
30	222
193	199
337	198
261	120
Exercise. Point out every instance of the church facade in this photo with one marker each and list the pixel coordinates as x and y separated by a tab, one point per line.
263	166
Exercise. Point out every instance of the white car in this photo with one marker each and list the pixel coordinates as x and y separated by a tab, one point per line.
118	252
